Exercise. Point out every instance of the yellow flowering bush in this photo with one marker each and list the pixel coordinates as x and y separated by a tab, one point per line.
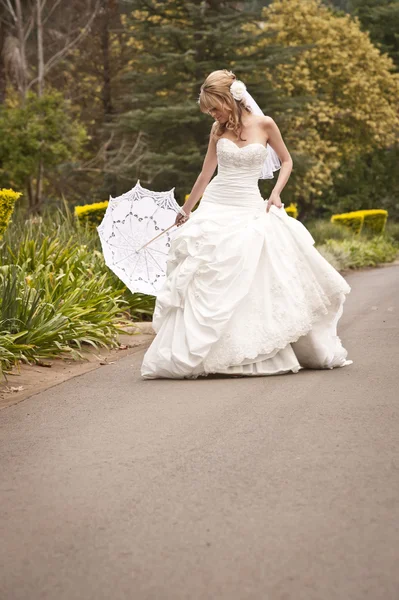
371	221
292	210
91	213
8	199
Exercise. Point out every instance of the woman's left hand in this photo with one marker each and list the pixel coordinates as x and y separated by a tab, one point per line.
274	199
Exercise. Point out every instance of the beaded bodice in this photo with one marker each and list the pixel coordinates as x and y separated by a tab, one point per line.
249	159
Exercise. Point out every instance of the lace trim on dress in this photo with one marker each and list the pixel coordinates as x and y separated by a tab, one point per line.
252	338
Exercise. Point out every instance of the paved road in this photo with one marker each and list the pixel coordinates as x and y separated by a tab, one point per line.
271	488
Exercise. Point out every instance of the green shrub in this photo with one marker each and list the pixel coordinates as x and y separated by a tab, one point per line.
356	253
11	351
323	230
392	230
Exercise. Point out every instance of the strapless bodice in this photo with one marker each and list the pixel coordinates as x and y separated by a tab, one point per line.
239	169
249	159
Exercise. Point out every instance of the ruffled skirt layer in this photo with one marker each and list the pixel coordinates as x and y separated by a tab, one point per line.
246	293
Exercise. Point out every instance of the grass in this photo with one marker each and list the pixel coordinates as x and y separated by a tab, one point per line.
346	250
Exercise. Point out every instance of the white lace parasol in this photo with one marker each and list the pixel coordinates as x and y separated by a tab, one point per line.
130	222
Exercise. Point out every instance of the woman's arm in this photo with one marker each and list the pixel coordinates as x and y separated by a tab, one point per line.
208	168
276	141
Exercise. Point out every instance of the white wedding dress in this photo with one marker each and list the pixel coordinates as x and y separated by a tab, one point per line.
246	291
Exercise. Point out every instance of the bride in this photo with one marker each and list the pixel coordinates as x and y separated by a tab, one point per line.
246	292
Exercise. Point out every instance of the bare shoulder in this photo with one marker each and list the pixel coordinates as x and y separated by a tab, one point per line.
265	124
268	123
275	139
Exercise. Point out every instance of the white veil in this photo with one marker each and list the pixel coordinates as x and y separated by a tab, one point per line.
272	162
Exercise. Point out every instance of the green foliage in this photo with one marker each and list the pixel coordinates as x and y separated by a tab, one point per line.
361	179
56	292
323	230
392	230
7	202
173	46
11	351
381	19
51	299
352	95
356	253
40	130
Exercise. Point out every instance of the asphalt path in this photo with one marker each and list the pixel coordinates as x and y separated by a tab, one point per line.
265	488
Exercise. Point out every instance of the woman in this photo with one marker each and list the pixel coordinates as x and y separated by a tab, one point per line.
246	291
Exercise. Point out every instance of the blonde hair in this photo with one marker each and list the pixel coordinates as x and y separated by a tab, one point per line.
215	93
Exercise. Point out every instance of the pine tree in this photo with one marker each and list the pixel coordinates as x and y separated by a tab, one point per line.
176	45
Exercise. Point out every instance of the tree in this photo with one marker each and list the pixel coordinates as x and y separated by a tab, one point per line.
92	77
369	180
352	89
174	45
380	18
38	38
41	131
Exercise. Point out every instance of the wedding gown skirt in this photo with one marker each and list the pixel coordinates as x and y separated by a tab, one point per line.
246	291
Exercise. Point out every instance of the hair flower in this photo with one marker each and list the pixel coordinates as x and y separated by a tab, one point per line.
238	89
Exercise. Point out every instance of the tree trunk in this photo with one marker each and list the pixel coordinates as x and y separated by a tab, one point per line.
106	92
40	89
39	188
106	14
40	53
3	82
22	76
29	190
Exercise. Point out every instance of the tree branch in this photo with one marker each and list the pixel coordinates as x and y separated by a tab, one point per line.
61	53
124	158
52	9
8	6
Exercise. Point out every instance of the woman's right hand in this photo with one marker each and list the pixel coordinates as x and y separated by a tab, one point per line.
180	219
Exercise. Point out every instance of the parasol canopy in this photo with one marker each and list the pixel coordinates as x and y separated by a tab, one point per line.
135	236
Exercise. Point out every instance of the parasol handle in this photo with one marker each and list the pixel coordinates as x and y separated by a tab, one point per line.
157	236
